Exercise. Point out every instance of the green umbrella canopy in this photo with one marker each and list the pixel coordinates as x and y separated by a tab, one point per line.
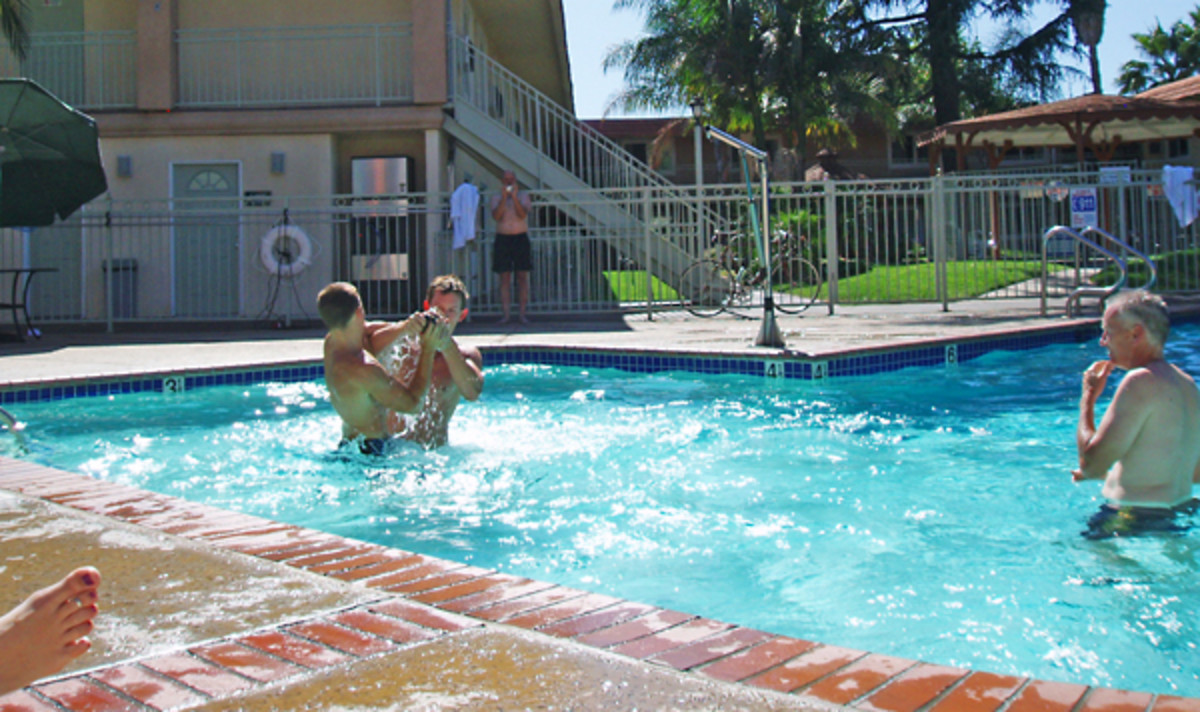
49	156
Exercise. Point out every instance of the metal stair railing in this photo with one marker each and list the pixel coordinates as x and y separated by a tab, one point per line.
529	114
1102	292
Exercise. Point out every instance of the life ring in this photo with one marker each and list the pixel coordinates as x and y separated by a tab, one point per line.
286	251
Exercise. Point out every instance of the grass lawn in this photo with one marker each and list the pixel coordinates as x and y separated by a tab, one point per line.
1177	271
918	283
630	286
883	283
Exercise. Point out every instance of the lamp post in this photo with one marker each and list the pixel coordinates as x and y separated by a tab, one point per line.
1088	19
697	106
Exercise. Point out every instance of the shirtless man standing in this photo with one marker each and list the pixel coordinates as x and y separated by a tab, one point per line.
360	390
1147	448
457	371
512	253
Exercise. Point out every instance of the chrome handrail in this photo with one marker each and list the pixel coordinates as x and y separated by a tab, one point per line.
1103	292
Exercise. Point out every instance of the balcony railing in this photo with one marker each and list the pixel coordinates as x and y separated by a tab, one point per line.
88	70
296	66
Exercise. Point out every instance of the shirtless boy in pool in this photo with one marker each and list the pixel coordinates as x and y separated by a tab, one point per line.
457	370
1147	447
361	391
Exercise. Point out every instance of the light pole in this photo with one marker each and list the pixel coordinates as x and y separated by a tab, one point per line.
1088	20
697	106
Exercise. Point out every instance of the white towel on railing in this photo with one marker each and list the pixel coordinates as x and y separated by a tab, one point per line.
1181	193
464	204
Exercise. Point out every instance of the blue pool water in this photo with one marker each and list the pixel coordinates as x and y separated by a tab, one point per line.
927	513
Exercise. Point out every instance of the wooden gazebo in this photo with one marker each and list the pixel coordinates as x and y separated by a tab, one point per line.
1096	122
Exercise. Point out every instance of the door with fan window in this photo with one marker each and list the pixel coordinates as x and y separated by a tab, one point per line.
207	237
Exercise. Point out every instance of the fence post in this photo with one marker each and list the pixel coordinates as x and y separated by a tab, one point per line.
831	244
941	219
108	275
646	222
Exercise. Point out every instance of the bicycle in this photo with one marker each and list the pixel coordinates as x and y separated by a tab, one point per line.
730	276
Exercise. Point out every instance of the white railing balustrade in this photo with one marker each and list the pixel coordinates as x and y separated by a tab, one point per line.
294	66
527	113
88	70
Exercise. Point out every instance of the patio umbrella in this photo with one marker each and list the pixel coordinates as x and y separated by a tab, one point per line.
49	156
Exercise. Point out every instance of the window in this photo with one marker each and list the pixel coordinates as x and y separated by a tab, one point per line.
208	181
1177	147
905	152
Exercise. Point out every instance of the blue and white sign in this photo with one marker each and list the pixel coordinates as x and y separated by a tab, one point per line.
1083	207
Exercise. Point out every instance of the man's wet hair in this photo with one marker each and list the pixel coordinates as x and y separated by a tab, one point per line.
447	283
1141	307
336	303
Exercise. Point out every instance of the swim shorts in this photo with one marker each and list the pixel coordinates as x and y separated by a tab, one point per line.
1114	521
367	446
512	253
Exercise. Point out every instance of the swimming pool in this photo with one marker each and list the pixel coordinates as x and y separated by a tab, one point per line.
926	514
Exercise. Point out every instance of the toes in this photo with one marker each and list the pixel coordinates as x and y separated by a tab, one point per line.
80	618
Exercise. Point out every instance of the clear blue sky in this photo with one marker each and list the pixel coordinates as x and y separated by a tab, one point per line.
593	27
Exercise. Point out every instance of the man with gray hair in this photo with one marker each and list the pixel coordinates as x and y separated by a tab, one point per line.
1147	447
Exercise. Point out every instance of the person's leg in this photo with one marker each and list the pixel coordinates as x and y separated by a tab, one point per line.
505	294
522	294
46	631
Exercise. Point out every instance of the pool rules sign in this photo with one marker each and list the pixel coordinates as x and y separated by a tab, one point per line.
1083	207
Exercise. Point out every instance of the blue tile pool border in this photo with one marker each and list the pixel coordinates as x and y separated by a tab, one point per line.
774	363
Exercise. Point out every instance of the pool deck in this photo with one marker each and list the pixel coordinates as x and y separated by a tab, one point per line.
209	609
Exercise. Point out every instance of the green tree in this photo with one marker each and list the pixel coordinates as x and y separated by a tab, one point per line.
789	66
707	50
1023	64
1169	56
12	23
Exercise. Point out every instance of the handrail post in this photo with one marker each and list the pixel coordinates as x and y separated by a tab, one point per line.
646	221
941	257
832	256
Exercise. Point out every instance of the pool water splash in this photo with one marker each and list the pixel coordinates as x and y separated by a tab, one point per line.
927	514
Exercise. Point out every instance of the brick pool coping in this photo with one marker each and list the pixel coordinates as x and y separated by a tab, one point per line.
424	597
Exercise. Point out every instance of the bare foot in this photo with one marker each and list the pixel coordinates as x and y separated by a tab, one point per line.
46	631
503	321
524	319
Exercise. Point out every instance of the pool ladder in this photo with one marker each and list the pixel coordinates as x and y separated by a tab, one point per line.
12	425
1103	293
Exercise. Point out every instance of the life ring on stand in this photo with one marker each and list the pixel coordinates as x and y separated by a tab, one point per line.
286	251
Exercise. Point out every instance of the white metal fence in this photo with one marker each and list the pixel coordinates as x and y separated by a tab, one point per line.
287	66
92	70
933	240
230	68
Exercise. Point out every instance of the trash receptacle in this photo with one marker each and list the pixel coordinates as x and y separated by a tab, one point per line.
124	286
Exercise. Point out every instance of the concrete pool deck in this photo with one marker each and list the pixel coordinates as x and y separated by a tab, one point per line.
209	609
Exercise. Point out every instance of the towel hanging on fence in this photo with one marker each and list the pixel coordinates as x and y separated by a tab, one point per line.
1181	193
464	204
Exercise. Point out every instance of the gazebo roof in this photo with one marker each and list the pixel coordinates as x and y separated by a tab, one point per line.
1175	91
1097	121
1054	124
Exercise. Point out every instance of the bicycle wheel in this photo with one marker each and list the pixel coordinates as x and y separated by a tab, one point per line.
705	288
796	283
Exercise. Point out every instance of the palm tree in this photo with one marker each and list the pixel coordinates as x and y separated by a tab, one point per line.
12	24
1172	56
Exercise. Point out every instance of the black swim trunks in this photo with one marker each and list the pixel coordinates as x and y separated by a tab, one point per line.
367	446
512	253
1113	521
